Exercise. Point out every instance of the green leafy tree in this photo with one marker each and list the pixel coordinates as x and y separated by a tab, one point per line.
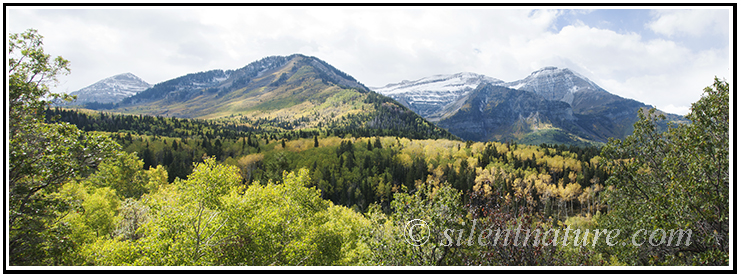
126	175
289	224
100	209
42	156
672	182
186	220
30	73
423	230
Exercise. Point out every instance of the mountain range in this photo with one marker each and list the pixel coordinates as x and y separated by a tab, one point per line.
551	105
282	93
296	92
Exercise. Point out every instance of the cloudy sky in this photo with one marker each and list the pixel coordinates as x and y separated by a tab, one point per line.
662	57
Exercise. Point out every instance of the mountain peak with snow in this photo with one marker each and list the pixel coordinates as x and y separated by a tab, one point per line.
555	84
112	89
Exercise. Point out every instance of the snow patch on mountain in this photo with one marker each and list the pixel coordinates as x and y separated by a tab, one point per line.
438	83
430	95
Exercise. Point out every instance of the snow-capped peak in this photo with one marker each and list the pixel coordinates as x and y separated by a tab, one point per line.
463	81
431	94
112	89
554	83
554	71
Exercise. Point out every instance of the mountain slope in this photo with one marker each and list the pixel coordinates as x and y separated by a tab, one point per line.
502	114
282	93
112	89
600	114
435	96
565	85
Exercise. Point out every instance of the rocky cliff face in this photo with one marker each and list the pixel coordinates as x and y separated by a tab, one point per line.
500	113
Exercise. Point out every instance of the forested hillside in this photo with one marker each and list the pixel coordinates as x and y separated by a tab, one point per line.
92	188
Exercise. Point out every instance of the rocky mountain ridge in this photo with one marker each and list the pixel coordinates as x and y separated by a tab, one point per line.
555	99
282	93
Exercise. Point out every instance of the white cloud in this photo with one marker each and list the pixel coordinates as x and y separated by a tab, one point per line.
696	22
658	72
681	110
381	45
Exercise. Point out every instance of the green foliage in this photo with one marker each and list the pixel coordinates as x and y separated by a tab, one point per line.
125	174
210	219
186	221
96	213
354	173
677	179
147	125
398	242
42	156
100	209
30	72
288	224
208	182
